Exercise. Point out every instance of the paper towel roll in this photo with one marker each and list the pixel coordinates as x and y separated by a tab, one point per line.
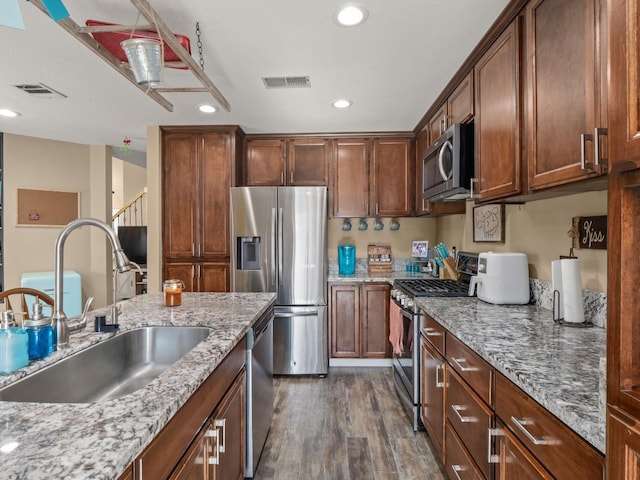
566	279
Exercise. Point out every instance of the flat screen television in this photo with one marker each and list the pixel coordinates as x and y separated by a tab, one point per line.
134	243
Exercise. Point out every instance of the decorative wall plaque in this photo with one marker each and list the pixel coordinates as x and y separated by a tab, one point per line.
488	223
591	232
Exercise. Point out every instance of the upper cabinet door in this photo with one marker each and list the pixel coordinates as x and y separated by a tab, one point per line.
624	80
264	162
391	182
215	167
436	124
308	160
350	177
460	104
180	194
563	91
497	118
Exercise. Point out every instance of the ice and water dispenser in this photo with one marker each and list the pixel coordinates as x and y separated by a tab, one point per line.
248	252
346	259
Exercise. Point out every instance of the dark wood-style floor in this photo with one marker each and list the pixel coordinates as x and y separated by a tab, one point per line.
348	426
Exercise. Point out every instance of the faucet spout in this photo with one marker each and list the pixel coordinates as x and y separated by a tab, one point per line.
58	318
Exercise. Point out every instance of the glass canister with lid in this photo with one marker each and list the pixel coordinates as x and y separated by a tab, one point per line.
40	334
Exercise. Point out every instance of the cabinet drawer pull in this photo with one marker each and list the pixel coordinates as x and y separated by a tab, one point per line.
439	384
456	469
520	423
213	433
458	409
459	361
291	177
432	332
584	138
492	457
599	161
222	423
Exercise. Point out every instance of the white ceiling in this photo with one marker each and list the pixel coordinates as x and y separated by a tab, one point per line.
392	67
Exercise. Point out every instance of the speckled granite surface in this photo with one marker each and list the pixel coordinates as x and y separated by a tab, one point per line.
98	441
558	366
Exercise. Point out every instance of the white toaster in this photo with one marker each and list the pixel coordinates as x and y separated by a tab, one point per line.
503	278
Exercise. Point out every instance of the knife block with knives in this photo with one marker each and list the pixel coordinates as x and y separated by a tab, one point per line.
449	271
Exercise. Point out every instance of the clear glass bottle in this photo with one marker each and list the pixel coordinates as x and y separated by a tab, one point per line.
14	344
40	334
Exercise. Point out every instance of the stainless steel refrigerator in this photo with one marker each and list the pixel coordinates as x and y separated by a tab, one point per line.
279	244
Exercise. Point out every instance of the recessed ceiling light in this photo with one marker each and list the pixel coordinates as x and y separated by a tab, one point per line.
8	113
342	103
207	109
350	15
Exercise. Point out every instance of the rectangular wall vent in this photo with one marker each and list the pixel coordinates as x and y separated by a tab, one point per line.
40	90
287	82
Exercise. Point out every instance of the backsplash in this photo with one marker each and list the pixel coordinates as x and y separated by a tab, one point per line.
595	303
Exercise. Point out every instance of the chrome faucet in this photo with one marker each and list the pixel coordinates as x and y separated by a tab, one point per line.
59	320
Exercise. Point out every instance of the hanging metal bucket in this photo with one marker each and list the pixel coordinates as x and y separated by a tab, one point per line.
145	59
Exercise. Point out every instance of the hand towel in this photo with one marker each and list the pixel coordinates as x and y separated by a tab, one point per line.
395	327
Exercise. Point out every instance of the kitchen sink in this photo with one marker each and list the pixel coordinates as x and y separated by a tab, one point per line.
110	369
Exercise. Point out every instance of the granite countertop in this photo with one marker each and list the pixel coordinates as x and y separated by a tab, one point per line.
364	276
98	441
558	366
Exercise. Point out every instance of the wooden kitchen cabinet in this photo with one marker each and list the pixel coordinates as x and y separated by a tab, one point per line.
471	419
360	320
391	187
200	276
199	167
624	80
498	118
217	453
264	162
623	432
432	385
563	453
458	464
372	177
350	177
514	460
459	108
186	446
565	91
293	161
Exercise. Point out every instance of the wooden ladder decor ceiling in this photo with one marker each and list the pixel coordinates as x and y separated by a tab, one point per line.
83	35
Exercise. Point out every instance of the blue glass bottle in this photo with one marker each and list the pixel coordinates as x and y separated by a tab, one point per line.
14	344
40	334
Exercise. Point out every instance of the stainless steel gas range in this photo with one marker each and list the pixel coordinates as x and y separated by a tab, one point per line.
406	363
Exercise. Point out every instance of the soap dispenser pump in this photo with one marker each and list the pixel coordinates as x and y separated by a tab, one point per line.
14	344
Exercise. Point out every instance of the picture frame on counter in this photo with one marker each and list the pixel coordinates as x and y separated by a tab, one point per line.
488	223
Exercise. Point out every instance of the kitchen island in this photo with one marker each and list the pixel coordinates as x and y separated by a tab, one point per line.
101	440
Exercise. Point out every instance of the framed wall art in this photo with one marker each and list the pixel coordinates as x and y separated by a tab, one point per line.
488	223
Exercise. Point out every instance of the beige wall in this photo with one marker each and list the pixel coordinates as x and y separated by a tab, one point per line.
128	180
538	229
50	165
400	240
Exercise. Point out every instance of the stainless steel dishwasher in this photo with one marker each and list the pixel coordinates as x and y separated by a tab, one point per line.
259	389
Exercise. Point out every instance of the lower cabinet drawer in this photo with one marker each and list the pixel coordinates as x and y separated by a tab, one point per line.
563	453
471	419
459	465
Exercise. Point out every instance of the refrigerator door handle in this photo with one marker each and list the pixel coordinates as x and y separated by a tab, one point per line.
280	250
299	314
274	240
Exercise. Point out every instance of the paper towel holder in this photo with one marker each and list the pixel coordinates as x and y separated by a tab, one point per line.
560	321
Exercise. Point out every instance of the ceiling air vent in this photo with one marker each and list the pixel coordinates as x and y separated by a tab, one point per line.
40	90
287	82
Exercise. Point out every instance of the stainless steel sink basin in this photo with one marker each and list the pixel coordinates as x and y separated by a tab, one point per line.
110	369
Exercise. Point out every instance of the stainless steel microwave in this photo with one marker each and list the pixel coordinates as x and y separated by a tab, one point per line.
448	165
